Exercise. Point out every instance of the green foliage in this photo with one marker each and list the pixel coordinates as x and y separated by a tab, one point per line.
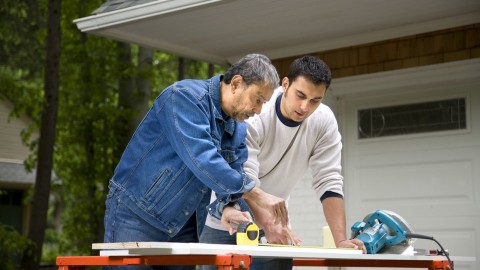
165	67
22	31
89	137
12	247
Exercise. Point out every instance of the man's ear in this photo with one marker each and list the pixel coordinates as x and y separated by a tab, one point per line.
236	82
285	83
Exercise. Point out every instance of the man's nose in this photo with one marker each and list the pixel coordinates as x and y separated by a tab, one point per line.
258	109
304	106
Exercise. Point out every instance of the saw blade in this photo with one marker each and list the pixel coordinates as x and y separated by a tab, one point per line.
407	227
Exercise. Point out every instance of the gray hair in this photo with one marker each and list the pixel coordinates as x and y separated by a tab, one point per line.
255	69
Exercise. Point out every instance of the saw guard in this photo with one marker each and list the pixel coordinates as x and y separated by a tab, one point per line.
396	226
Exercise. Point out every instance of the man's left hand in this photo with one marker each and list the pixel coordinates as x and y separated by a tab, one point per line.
352	243
233	216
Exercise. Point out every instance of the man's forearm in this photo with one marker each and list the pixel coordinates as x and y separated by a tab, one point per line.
334	210
262	216
253	195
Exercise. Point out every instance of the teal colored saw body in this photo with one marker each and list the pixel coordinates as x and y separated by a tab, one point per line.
381	228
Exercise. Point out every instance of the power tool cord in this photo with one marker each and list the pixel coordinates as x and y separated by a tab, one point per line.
421	236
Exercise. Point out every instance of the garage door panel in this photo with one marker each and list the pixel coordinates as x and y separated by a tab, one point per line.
419	183
416	142
428	181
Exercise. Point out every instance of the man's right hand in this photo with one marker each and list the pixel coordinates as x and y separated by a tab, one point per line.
274	205
279	234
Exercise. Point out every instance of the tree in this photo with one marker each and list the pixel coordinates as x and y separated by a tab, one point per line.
134	88
38	219
96	116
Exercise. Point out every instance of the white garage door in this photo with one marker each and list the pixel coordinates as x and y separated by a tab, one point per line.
425	170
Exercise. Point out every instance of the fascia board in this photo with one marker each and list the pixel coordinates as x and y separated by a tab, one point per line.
135	13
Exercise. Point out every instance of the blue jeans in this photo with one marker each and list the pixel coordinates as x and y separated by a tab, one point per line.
123	225
214	236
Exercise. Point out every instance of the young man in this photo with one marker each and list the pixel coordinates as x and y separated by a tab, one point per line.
189	143
295	131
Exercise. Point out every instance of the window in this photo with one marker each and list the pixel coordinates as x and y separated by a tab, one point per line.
412	118
11	210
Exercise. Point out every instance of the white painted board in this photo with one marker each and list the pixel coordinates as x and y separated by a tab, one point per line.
170	248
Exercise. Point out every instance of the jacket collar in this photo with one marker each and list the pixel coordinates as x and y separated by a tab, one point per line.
215	83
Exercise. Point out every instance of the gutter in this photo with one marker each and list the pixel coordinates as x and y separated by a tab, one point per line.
138	12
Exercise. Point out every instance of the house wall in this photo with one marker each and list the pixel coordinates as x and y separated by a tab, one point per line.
11	147
412	51
14	180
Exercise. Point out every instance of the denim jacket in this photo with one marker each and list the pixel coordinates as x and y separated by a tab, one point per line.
184	148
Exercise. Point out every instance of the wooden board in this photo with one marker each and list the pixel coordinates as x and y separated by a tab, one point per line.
164	248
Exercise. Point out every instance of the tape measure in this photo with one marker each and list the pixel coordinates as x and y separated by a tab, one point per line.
247	234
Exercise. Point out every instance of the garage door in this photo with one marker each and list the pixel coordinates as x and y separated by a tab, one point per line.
412	146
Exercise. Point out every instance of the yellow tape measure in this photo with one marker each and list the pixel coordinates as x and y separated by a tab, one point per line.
247	234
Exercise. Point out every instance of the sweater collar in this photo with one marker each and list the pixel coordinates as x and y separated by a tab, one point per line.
285	121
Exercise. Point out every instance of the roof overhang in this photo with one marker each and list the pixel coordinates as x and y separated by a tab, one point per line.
221	31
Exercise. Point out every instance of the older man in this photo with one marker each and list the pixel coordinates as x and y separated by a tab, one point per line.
190	142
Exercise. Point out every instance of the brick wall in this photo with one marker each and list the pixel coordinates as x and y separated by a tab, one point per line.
418	50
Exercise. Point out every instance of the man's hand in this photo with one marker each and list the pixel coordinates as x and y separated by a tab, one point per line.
353	243
275	233
233	216
273	204
279	234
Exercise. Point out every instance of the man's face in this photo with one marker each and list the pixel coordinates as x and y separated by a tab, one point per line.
248	101
300	98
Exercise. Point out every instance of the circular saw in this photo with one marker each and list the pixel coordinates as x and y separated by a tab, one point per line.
381	229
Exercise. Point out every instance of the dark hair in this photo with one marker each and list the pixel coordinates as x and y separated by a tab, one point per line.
254	69
312	68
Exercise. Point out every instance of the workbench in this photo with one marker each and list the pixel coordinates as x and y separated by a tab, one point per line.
239	257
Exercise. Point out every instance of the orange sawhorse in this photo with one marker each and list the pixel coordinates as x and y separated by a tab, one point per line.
235	261
224	262
430	264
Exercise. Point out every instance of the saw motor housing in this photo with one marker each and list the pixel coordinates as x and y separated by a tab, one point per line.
381	228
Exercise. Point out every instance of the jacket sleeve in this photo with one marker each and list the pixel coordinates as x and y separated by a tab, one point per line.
216	207
187	125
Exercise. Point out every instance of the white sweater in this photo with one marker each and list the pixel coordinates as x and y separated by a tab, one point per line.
317	145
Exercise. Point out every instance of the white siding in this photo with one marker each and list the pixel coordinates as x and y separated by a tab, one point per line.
11	146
